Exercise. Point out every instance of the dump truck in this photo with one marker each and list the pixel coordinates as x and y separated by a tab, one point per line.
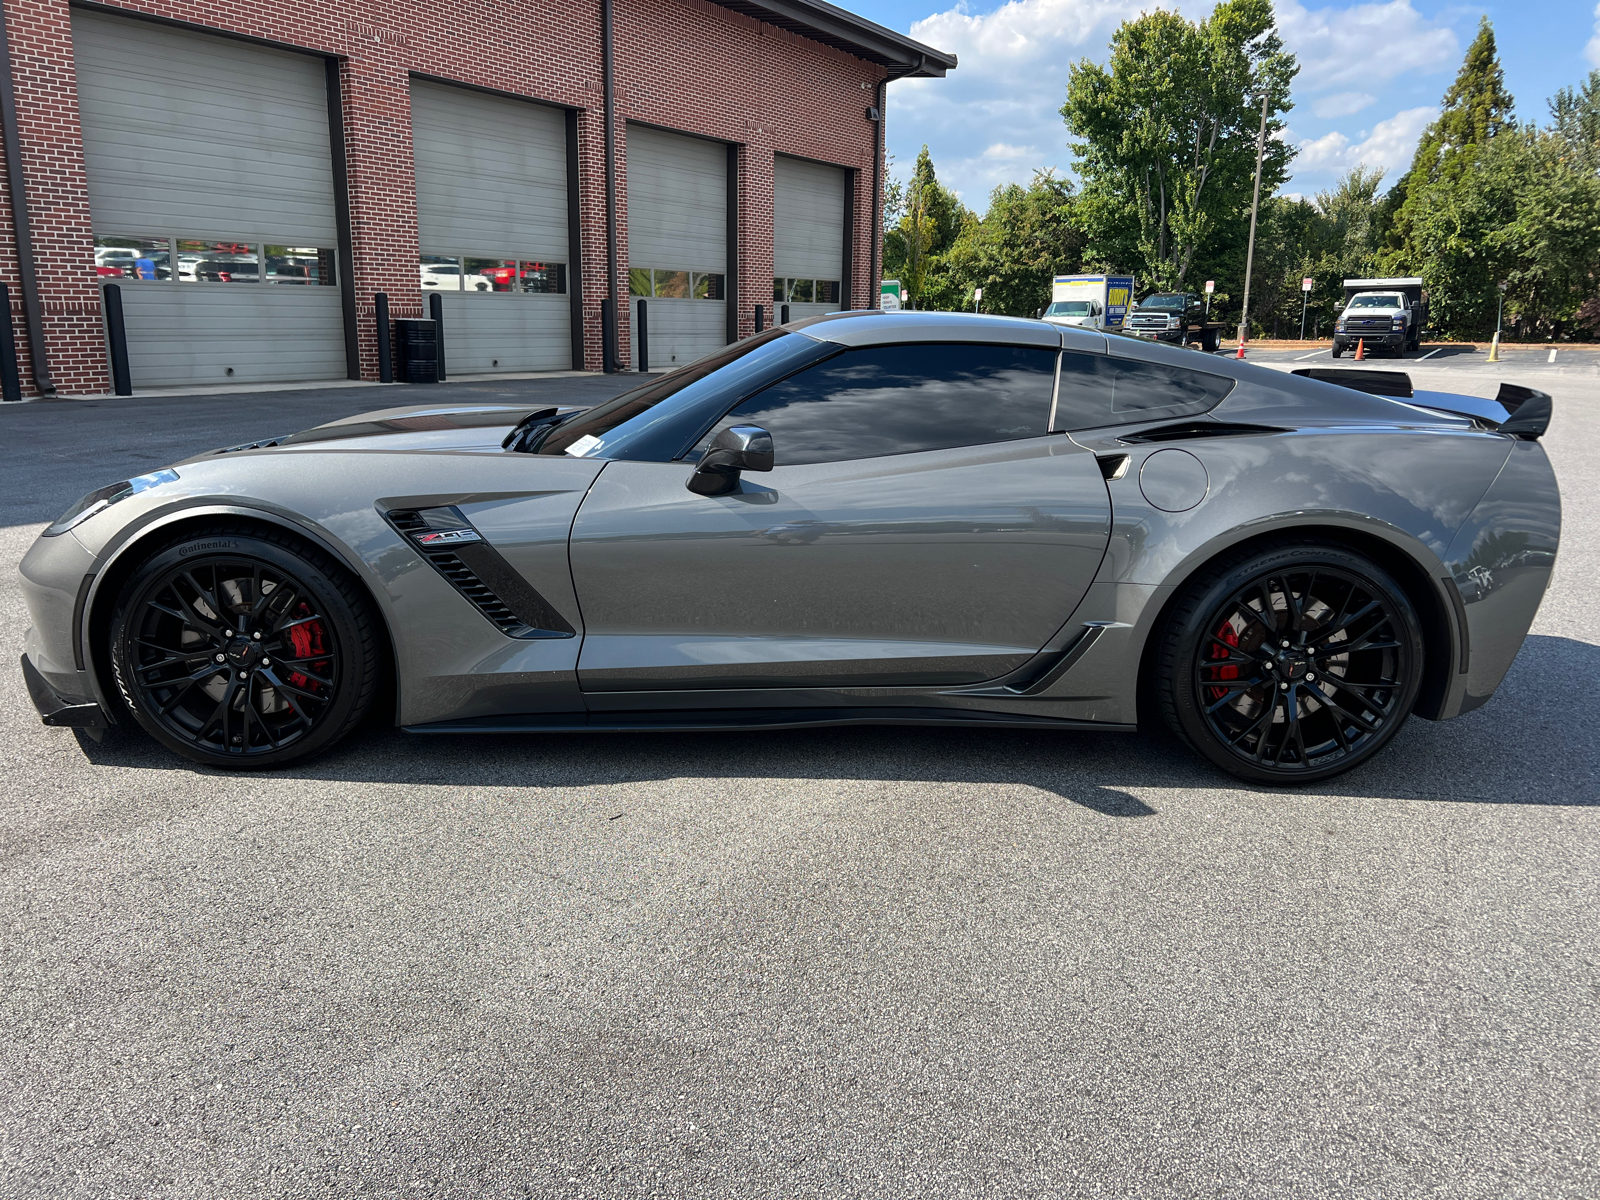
1385	314
1178	317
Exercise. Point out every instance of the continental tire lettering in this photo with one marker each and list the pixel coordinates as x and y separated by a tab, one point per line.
197	547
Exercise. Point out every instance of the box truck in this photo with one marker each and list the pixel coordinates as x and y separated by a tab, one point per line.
1094	301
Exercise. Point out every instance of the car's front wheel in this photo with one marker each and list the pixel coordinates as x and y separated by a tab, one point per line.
1290	664
242	648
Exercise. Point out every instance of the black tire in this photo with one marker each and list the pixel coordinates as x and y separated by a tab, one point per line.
195	675
1337	350
1317	710
1211	340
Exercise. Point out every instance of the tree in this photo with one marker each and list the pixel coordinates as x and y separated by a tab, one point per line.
1475	110
1028	236
1169	130
930	218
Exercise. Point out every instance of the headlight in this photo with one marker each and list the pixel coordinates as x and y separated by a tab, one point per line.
103	498
1398	323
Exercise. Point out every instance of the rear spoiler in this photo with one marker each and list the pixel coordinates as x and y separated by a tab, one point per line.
1521	412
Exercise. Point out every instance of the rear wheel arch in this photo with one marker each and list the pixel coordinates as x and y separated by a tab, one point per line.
1420	587
129	557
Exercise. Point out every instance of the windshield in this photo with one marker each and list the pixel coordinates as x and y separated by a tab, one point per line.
599	432
1170	303
1070	308
1378	302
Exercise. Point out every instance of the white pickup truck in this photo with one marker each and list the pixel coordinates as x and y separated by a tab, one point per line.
1385	314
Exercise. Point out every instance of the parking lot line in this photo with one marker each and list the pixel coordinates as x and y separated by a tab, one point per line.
1552	357
1313	354
1429	355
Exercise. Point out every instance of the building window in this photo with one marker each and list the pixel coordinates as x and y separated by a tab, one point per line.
676	285
207	260
504	275
133	258
805	291
542	278
307	265
223	261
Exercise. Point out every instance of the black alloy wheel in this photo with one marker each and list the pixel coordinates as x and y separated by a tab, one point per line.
1293	665
247	653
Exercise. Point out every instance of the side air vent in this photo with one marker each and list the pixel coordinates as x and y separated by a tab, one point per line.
1188	431
263	444
449	543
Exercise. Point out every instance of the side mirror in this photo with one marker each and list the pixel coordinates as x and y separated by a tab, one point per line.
739	448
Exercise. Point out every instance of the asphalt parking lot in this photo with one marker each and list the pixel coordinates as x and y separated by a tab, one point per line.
856	963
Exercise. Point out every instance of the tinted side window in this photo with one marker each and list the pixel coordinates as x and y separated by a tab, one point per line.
901	399
1099	390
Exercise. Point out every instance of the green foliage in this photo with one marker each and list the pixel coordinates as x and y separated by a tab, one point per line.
1168	134
929	219
941	251
1028	237
1475	111
1167	157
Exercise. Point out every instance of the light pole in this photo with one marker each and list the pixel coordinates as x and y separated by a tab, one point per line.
1255	205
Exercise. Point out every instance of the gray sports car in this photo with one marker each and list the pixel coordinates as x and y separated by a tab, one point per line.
901	518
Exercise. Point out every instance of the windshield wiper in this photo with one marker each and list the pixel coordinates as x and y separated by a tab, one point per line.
530	431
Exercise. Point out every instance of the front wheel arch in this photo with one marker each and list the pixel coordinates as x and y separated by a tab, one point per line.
128	558
1432	608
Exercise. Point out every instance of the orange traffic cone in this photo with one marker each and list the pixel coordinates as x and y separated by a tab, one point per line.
1241	349
1361	349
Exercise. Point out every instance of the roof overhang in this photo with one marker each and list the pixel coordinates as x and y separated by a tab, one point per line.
832	26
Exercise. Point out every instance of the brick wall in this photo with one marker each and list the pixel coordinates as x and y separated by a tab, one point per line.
682	64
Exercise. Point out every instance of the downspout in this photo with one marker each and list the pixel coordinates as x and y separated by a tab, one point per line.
610	355
875	274
38	357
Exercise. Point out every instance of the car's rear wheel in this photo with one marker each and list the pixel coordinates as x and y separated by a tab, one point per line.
1291	664
244	649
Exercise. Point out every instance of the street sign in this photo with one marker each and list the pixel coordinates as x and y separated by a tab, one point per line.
889	295
1211	286
977	293
1307	284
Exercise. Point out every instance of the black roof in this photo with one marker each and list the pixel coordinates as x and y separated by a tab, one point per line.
833	26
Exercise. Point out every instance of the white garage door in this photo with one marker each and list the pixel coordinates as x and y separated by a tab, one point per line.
492	224
678	243
211	191
808	207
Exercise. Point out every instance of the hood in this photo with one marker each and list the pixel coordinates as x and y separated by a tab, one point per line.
454	428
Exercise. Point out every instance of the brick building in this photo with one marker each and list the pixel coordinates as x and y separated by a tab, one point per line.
252	176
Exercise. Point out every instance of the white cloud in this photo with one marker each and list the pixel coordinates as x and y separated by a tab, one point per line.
1011	82
1389	145
1592	50
1364	44
1342	104
1008	89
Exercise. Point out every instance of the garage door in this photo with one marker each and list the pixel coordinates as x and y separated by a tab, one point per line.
808	220
492	227
678	243
211	191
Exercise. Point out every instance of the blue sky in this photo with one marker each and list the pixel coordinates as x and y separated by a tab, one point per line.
1370	80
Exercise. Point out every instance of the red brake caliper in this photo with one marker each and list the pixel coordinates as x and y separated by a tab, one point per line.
308	641
1229	671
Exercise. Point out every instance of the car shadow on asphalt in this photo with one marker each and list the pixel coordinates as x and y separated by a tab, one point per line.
1536	742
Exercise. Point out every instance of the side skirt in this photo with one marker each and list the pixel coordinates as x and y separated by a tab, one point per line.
752	718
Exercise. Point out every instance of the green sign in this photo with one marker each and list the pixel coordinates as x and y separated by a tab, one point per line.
889	295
